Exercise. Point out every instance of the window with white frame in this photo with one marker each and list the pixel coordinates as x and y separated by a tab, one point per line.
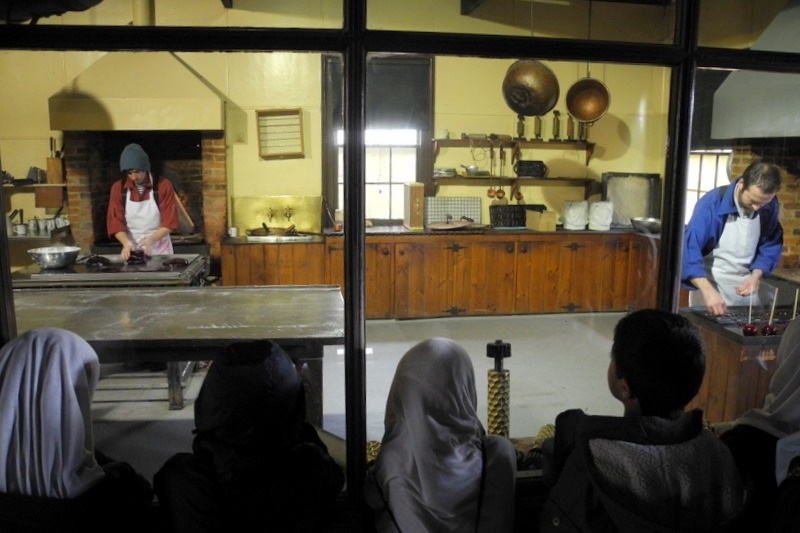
391	162
708	169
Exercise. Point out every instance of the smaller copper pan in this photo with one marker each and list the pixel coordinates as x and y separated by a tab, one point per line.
587	100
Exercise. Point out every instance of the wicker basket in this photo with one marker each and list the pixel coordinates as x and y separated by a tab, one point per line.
507	216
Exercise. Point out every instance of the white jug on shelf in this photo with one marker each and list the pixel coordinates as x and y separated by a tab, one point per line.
600	215
576	215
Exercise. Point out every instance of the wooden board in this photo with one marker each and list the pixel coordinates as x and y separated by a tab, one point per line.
185	222
455	224
55	170
49	196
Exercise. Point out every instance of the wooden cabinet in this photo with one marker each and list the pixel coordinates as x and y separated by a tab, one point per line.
273	264
423	279
426	276
454	276
538	275
738	370
379	272
492	278
643	278
572	273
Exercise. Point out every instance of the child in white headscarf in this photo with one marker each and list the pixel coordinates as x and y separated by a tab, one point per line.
50	474
437	470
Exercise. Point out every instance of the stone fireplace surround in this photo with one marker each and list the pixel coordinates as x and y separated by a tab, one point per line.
193	160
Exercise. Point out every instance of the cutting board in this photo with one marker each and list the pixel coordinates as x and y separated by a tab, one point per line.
46	196
55	170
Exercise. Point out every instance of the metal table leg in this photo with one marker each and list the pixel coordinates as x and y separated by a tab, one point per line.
178	375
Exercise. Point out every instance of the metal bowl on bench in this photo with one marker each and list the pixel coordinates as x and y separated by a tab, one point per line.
52	257
647	224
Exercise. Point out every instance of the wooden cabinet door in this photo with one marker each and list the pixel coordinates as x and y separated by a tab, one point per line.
294	264
593	273
571	273
486	281
379	272
643	275
334	261
273	264
241	264
537	282
228	264
422	279
379	258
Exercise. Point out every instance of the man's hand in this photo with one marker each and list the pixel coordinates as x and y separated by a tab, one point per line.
750	284
714	302
711	297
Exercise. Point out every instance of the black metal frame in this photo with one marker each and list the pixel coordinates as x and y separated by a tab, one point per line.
355	41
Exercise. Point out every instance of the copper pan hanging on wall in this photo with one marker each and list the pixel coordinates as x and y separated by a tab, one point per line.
530	88
587	100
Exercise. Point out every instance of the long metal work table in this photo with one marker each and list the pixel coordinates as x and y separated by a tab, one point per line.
194	324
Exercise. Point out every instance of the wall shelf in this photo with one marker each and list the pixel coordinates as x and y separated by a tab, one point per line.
516	183
514	144
32	185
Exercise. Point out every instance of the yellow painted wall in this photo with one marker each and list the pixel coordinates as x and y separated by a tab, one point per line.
631	137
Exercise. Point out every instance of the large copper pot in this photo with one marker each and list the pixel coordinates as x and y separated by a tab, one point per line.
530	88
587	100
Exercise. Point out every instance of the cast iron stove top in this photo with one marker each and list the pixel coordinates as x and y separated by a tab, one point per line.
157	270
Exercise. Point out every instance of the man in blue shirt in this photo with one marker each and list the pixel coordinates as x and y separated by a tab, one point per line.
733	239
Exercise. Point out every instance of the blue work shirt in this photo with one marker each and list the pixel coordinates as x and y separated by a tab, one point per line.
705	229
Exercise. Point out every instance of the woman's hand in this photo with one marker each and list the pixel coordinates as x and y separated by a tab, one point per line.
127	248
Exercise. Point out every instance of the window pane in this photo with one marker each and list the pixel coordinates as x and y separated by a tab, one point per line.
708	173
397	202
377	200
208	13
404	165
378	168
643	22
738	23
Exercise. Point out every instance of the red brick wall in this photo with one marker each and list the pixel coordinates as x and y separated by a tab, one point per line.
215	190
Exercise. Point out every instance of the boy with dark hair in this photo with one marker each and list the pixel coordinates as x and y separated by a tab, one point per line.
655	468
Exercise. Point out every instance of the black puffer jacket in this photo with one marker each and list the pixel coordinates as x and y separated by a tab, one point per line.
640	474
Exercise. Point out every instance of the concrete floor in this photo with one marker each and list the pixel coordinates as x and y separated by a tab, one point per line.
557	362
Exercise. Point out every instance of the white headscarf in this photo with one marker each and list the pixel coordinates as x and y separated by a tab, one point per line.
47	380
780	415
429	466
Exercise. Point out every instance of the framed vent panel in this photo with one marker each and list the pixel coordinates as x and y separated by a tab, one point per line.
280	134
